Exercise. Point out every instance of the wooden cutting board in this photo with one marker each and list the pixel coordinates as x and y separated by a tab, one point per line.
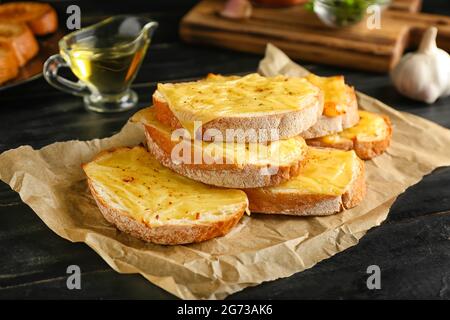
406	5
301	35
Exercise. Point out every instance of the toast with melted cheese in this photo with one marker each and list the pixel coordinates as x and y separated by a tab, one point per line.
21	40
369	138
231	164
9	67
340	106
331	181
255	103
149	201
41	18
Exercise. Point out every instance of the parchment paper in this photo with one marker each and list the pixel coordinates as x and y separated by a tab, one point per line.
260	248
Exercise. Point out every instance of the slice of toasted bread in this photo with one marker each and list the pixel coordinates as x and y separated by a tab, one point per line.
338	95
224	164
261	106
21	39
330	181
40	17
340	107
142	198
369	138
9	67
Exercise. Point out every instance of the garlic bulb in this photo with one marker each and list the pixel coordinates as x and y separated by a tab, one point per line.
424	75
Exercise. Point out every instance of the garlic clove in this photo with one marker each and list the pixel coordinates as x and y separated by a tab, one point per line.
237	9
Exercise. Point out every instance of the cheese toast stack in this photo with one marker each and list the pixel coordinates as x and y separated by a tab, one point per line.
223	145
19	23
246	137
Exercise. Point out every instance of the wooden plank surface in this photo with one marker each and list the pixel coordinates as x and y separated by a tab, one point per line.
302	35
418	23
406	5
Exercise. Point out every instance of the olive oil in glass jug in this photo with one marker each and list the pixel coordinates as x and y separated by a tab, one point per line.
105	58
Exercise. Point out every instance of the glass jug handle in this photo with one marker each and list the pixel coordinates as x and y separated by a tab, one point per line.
51	68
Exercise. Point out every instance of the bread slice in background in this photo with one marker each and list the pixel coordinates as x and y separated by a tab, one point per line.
40	17
340	106
330	181
9	67
150	202
369	138
288	106
21	40
231	165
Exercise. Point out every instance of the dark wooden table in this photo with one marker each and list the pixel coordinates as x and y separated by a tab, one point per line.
412	247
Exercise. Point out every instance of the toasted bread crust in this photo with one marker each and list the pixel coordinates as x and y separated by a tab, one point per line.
40	17
9	67
328	125
287	124
165	234
45	24
365	149
263	201
169	234
222	175
357	190
21	39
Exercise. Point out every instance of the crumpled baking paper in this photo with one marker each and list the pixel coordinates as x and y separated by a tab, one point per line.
261	247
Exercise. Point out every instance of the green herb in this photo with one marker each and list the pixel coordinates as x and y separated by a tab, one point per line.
310	5
345	12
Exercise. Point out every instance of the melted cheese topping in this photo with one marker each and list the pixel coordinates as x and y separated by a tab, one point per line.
251	95
133	181
336	94
280	152
327	172
371	126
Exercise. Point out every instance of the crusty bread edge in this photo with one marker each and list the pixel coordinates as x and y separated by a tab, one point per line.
40	25
165	234
9	66
169	234
365	149
223	175
328	125
287	124
45	24
24	44
261	200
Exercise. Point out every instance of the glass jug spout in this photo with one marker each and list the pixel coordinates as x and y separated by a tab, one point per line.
149	29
